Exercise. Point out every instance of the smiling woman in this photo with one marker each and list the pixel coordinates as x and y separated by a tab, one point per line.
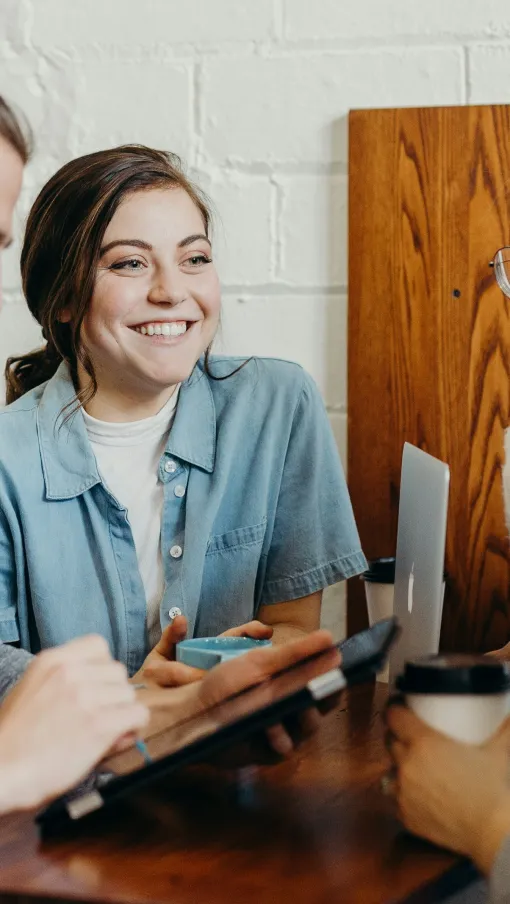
147	479
151	295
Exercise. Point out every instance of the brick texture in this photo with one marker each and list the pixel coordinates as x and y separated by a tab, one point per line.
255	96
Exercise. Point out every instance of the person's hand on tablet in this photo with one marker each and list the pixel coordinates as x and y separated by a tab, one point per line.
160	667
257	666
72	706
502	655
171	705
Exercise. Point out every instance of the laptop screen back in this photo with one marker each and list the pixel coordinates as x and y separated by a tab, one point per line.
419	569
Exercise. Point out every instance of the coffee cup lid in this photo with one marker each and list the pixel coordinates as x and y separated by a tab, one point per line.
380	571
454	674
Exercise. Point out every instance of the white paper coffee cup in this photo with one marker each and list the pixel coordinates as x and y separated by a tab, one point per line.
379	591
379	601
464	697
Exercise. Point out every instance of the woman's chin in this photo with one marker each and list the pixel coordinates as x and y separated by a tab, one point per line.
161	381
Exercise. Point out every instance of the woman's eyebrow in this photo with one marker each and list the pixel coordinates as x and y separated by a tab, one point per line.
193	238
138	243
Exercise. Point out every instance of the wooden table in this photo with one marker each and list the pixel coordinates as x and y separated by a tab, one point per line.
314	830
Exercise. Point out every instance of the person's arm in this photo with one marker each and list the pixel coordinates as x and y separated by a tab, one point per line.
9	627
13	664
455	795
73	704
293	619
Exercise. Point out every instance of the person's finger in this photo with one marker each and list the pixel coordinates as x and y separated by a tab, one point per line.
172	635
309	722
103	674
113	724
398	751
254	629
406	726
274	659
89	648
503	654
172	674
232	677
279	740
124	743
104	694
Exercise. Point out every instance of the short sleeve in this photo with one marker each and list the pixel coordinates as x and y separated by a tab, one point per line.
13	664
315	541
500	876
9	631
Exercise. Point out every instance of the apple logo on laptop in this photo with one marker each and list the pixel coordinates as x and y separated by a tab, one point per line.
410	589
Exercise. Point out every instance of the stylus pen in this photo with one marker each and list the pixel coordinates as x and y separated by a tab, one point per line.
142	747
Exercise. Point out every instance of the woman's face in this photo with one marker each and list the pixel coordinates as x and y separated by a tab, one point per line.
11	174
156	300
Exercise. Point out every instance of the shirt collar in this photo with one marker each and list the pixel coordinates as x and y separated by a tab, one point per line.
68	462
193	434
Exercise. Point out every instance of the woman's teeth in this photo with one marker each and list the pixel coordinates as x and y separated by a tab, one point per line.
177	328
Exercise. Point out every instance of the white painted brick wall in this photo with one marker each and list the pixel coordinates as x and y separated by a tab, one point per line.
255	96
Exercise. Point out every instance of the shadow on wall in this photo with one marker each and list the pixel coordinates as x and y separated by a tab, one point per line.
334	604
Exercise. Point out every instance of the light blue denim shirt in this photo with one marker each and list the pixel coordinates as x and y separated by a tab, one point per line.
265	516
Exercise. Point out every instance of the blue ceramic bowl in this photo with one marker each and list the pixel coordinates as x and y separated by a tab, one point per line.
206	652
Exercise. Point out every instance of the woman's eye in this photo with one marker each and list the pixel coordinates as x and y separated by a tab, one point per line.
197	259
131	264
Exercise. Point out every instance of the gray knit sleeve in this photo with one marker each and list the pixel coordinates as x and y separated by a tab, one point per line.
500	876
13	663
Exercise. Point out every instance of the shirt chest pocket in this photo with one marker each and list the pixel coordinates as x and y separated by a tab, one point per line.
238	539
229	579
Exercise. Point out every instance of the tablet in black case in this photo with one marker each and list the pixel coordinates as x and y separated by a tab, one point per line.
200	738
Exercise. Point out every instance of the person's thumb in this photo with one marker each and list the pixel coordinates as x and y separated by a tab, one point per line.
171	636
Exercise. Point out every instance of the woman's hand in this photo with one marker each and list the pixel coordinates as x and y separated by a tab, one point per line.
254	629
171	707
256	667
160	666
455	795
502	655
73	704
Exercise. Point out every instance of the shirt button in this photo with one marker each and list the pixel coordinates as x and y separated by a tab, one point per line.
176	552
170	466
179	490
174	612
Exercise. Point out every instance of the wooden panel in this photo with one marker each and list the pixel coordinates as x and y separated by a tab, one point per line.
429	342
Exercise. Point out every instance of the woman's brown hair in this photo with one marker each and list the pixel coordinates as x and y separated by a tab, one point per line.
61	250
14	129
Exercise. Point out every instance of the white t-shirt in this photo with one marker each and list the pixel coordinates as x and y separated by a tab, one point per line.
128	456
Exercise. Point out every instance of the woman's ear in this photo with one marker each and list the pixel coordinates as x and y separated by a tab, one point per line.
64	316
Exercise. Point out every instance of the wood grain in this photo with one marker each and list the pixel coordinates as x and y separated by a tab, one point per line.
313	830
429	342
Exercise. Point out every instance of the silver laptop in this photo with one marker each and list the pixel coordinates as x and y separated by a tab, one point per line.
419	567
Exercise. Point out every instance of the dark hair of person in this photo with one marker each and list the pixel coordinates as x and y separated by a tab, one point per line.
15	130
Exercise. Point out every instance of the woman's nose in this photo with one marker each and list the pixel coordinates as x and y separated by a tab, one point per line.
167	288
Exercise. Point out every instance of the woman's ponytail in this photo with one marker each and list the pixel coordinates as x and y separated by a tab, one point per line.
25	372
